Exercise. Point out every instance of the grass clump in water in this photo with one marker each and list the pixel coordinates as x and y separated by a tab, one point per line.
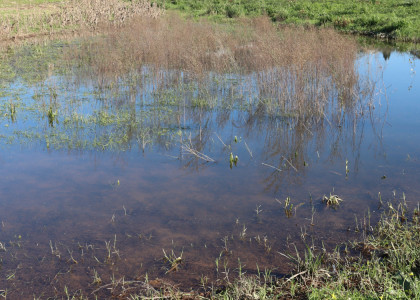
332	200
174	261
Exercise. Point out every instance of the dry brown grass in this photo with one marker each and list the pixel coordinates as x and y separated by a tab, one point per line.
256	44
294	69
14	9
73	15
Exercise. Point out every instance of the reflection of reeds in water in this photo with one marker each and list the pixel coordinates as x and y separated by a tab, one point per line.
294	70
304	76
165	81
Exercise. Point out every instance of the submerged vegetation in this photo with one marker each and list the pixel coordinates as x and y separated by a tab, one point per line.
383	264
332	200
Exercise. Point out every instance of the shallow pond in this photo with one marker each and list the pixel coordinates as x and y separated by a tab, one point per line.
105	180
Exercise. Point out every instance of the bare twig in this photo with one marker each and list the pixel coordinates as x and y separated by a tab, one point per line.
249	150
196	153
326	118
277	169
296	275
115	284
221	140
307	128
294	168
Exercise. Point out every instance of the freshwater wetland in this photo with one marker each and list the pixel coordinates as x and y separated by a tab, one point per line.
172	158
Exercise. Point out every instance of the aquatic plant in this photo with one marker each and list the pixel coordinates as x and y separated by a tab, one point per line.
174	260
347	168
332	200
242	234
288	206
52	116
12	111
233	160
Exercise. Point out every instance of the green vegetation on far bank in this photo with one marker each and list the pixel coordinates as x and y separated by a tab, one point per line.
384	18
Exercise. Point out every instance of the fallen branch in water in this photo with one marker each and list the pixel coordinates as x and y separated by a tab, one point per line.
277	169
294	168
188	149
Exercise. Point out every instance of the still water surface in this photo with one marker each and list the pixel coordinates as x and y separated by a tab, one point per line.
80	195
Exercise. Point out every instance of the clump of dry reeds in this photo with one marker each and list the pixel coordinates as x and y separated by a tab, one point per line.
289	68
73	15
251	45
93	13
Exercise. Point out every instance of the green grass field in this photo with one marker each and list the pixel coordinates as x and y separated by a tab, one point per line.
394	19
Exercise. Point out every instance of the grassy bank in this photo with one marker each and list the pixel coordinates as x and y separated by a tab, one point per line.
386	18
385	264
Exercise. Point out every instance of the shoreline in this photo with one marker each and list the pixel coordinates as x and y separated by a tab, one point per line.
34	17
